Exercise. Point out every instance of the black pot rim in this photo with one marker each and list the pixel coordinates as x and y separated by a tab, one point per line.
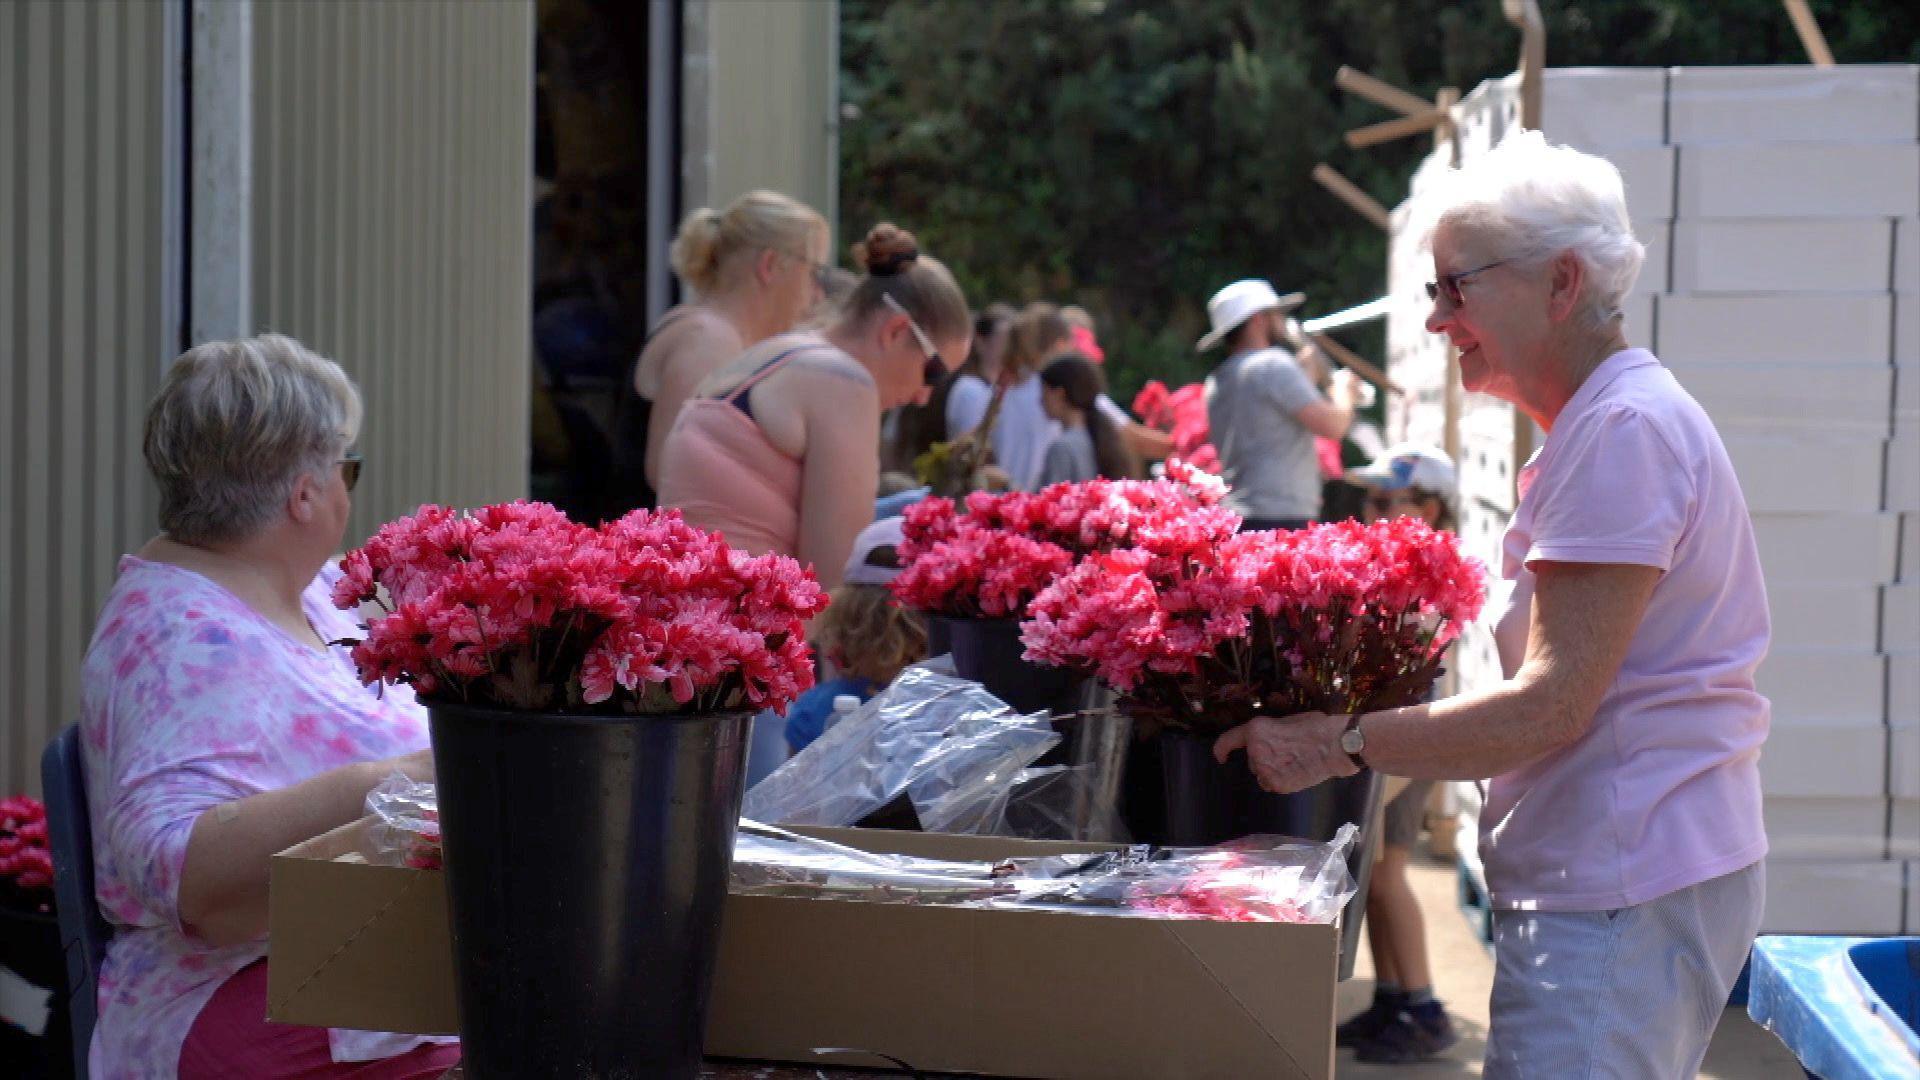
578	719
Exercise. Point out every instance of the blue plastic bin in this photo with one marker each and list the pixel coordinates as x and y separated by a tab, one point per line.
1848	1008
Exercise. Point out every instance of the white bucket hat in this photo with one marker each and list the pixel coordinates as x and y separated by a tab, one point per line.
1239	302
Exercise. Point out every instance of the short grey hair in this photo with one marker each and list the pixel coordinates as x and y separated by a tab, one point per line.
1540	200
235	424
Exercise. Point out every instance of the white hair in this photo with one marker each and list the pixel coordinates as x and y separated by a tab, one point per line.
234	424
1538	200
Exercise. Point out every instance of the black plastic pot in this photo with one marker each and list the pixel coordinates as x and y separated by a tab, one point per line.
1211	803
587	861
30	946
989	652
939	641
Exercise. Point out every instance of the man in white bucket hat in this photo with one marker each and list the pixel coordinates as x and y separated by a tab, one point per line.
1264	410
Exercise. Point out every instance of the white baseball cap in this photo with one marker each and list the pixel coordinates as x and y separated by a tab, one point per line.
1239	302
1410	465
875	559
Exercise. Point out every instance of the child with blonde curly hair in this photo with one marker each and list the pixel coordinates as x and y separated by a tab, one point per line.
865	637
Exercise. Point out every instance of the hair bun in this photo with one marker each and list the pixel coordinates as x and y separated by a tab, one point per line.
887	250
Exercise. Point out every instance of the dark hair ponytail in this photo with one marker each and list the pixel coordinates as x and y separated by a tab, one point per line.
895	267
1076	375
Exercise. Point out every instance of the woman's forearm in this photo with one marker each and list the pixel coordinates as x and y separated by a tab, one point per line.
223	884
1469	737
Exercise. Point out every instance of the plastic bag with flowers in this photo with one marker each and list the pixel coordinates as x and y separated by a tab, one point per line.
990	555
1201	635
514	606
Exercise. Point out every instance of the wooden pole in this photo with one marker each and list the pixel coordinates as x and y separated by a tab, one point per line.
1446	138
1811	39
1525	14
1387	131
1353	361
1349	192
1379	91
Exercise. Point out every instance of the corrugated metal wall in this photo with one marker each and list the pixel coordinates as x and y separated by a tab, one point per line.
86	324
760	100
392	173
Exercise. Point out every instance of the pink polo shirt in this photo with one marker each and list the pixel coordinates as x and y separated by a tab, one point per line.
1663	792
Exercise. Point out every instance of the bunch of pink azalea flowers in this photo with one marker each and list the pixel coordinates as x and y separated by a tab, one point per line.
1202	635
1181	413
989	557
26	860
514	606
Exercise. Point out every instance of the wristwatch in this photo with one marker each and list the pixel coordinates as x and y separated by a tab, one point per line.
1354	742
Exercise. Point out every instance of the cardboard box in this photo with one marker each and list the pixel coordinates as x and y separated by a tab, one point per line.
1657	237
1903	465
1811	759
1831	255
1909	553
1827	828
1906	255
1825	685
1903	687
1849	103
1900	618
1903	758
1808	475
1838	549
1903	833
1798	180
1825	616
1818	397
1803	329
1599	108
1647	172
1913	898
1006	993
1830	896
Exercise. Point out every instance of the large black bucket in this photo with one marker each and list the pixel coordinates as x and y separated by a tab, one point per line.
989	652
587	861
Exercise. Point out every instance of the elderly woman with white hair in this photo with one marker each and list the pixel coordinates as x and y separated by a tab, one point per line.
220	723
1622	835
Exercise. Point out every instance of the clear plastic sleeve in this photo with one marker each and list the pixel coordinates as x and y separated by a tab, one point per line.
945	743
406	829
1256	879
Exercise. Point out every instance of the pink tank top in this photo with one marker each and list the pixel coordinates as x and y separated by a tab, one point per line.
720	471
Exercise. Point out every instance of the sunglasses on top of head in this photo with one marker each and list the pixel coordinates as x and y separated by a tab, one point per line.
935	369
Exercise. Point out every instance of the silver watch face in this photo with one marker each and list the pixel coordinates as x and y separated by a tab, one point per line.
1352	741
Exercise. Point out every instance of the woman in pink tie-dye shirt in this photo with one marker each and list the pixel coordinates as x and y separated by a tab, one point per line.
219	726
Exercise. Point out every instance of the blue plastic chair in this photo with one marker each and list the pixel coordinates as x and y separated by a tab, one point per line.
83	932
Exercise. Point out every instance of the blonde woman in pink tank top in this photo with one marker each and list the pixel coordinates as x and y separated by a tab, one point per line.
779	450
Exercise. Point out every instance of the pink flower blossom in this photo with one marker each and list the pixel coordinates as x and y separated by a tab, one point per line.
518	607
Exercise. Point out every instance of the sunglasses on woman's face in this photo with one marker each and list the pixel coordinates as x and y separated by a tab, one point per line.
935	369
1449	284
350	468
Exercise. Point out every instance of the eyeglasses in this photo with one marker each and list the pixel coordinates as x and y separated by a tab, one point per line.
1449	284
936	369
350	468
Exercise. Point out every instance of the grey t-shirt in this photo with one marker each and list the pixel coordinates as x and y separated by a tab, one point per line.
1267	458
1070	458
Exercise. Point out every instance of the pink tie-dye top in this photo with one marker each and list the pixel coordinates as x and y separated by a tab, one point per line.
191	699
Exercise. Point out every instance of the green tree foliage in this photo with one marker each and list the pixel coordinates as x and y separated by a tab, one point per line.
1134	155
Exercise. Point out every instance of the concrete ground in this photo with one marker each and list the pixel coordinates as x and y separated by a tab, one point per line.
1463	975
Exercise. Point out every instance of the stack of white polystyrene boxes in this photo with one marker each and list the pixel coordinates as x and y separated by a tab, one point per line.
1782	287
